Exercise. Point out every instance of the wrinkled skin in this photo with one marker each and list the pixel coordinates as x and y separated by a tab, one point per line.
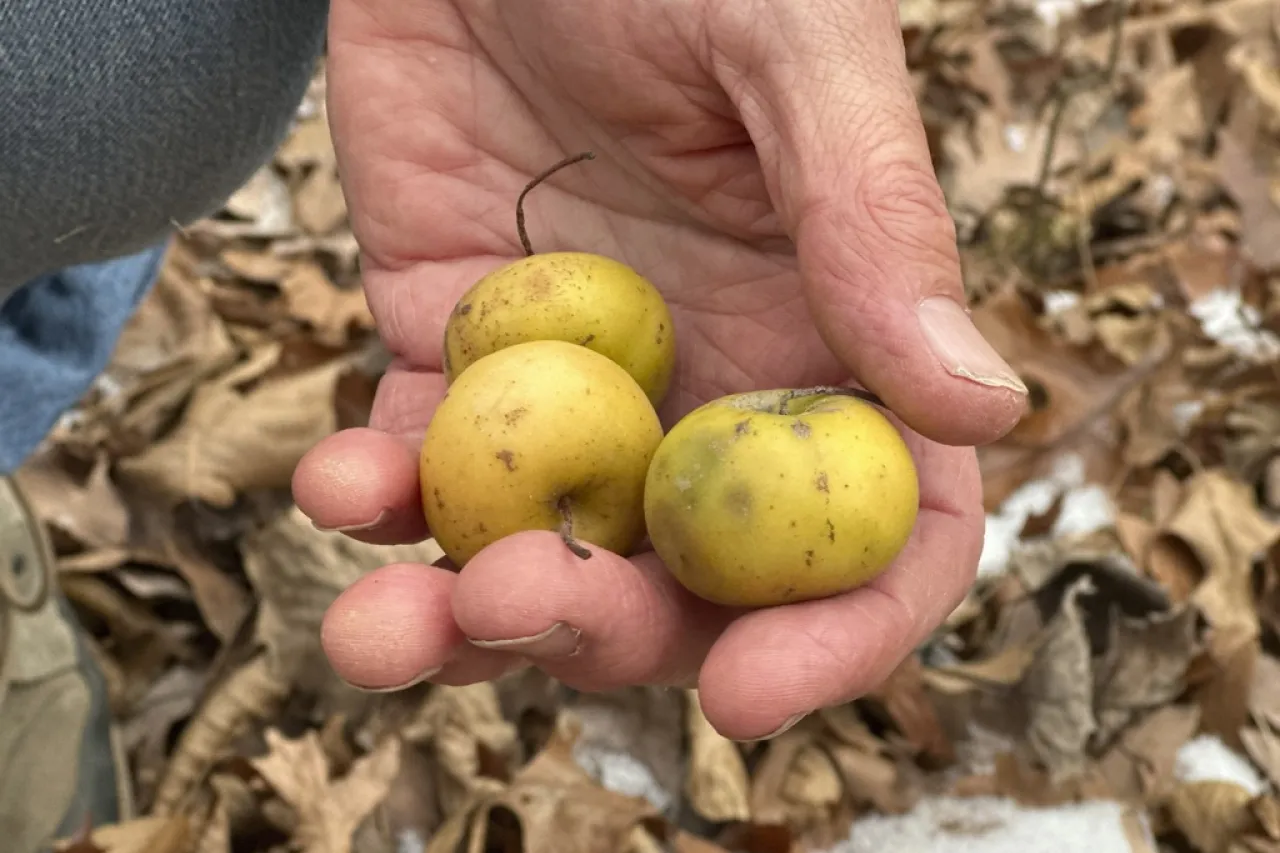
763	162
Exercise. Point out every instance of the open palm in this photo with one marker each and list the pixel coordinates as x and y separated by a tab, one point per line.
762	163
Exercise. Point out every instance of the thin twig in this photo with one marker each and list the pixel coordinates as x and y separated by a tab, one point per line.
1070	88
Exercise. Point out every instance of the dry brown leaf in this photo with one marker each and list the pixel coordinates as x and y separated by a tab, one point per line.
1077	390
1057	689
1263	748
171	698
997	154
142	645
1139	765
261	207
328	810
1220	521
88	511
297	572
308	145
250	693
141	835
716	782
1144	666
552	806
331	312
464	729
1211	814
907	702
231	440
1004	668
319	203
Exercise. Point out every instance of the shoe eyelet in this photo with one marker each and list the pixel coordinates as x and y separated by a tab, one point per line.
22	581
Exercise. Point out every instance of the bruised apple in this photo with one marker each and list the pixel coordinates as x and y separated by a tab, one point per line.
778	496
540	435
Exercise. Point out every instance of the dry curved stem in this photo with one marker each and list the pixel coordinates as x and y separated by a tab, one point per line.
537	179
566	529
839	390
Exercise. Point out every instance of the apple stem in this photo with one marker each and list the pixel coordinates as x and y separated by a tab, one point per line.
537	179
566	529
829	389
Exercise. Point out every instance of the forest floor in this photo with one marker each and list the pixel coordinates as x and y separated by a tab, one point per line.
1111	684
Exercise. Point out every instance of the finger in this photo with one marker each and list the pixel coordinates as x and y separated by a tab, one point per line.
394	628
594	624
832	112
364	482
772	667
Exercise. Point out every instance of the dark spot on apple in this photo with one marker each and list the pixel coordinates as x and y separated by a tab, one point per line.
742	427
808	558
588	339
801	429
439	500
822	482
508	458
513	417
464	309
480	528
831	531
738	499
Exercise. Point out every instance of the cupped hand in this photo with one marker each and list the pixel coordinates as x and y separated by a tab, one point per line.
763	163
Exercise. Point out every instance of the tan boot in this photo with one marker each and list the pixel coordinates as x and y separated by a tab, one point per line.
59	768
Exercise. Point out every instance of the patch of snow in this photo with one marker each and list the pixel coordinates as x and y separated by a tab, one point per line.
1085	508
1206	758
622	773
1057	301
992	825
1054	12
410	841
1185	413
1015	136
1226	318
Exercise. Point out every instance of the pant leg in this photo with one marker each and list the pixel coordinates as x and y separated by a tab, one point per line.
118	119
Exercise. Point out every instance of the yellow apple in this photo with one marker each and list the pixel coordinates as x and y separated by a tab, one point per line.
541	435
578	297
778	496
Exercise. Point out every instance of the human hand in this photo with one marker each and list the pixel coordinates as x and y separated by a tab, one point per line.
764	164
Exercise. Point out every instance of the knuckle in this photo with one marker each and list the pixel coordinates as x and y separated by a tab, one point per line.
899	203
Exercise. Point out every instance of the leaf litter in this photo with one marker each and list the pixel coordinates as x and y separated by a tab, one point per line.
1111	683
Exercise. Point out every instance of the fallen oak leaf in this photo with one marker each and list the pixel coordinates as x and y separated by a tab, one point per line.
231	441
328	810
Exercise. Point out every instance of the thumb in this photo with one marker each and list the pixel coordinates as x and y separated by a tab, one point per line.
835	122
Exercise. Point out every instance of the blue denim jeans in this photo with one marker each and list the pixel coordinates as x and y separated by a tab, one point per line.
120	119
